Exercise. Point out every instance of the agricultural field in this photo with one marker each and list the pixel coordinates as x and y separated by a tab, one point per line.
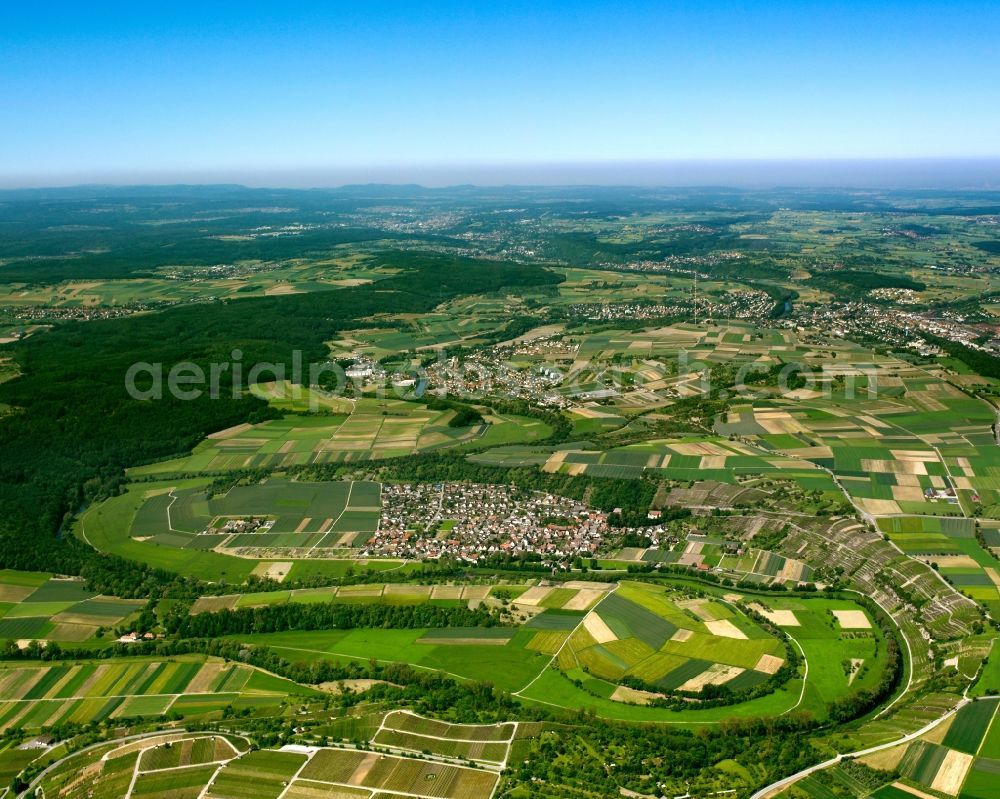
958	758
189	283
726	490
684	459
350	431
477	743
685	644
37	696
38	606
670	643
367	593
666	638
292	515
223	766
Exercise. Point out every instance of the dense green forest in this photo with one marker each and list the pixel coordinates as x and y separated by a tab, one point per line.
862	281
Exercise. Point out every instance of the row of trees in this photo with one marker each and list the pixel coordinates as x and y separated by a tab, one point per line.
328	616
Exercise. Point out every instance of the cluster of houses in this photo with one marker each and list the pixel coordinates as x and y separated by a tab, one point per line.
489	373
898	327
470	522
250	524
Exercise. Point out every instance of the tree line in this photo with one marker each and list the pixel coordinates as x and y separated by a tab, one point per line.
327	616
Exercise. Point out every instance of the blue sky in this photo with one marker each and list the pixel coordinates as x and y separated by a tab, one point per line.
93	89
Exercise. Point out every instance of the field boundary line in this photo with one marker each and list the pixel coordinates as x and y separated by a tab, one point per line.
291	780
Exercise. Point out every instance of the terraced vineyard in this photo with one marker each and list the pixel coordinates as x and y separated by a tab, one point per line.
222	767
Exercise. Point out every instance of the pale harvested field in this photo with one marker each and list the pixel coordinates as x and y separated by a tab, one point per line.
697	606
682	635
533	596
913	455
280	290
871	420
960	561
852	619
446	592
769	664
893	467
814	452
952	773
878	507
783	618
592	413
600	631
276	570
792	570
475	591
361	772
937	735
886	760
231	431
907	493
355	686
204	678
625	694
716	674
583	599
555	462
725	629
15	593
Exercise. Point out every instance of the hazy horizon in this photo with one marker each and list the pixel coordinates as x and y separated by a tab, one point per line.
923	173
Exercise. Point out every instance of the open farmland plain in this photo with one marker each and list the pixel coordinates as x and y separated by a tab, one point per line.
40	606
354	430
670	642
663	495
39	696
